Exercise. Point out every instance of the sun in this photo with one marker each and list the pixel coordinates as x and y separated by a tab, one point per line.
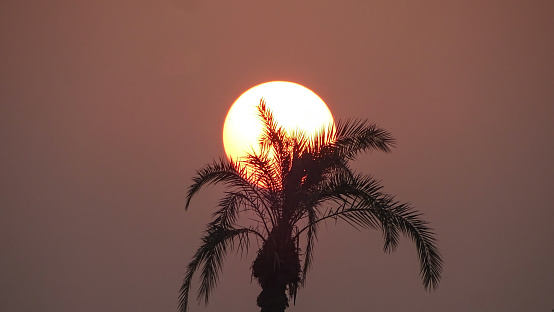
294	107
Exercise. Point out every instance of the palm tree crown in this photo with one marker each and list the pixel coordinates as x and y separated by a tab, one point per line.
289	187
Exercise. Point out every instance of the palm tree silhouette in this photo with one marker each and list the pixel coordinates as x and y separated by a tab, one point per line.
290	187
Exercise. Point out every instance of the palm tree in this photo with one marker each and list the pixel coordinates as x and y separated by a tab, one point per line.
289	188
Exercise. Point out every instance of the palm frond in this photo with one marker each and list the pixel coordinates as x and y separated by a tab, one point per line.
311	237
347	190
229	208
365	206
356	135
211	254
273	136
276	141
410	223
221	171
264	171
235	176
394	216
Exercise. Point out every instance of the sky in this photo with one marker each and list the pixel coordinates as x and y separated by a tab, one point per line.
107	109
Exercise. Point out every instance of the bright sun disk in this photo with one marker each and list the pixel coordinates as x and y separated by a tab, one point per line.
294	107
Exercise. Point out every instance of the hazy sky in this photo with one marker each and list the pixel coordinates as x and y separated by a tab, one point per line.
109	107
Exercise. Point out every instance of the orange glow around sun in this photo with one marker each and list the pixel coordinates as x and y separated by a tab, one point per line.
294	107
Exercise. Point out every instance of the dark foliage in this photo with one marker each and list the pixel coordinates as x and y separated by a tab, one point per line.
289	188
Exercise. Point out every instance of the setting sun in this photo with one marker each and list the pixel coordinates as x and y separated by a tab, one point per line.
294	107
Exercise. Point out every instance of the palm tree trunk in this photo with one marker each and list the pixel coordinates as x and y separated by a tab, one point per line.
272	276
276	267
273	297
